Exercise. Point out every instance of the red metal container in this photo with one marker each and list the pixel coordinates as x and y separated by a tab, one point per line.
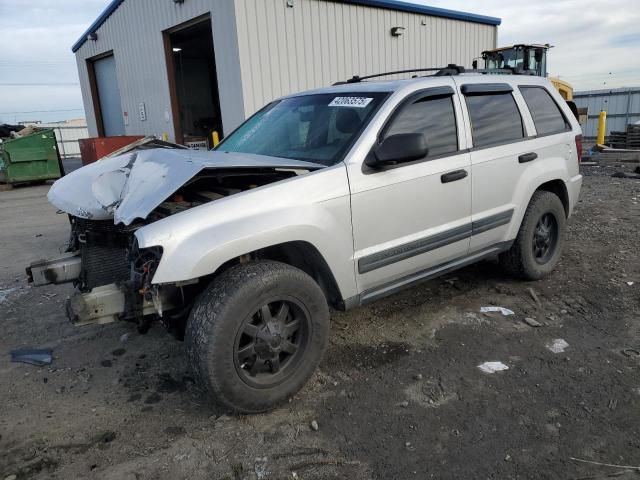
92	149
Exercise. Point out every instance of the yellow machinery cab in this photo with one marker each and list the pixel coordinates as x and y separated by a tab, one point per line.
524	58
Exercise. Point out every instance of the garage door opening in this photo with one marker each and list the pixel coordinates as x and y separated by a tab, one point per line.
193	83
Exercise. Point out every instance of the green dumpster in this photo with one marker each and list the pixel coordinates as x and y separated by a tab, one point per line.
30	158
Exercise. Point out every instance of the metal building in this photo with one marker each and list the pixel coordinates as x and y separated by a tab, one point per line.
190	67
621	104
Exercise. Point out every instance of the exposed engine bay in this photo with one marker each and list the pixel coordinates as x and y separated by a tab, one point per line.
112	274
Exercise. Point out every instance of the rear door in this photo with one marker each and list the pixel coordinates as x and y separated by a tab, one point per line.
497	130
412	217
553	139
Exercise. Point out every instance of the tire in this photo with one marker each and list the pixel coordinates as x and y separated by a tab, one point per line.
242	354
527	257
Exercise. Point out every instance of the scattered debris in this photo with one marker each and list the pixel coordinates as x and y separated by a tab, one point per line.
403	404
124	337
314	425
558	345
504	311
417	376
492	367
534	296
626	175
626	467
4	294
631	352
48	296
532	322
630	283
32	356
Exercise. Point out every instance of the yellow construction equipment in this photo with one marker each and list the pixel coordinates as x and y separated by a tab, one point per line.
531	58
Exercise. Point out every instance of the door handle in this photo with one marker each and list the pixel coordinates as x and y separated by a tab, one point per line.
527	157
453	176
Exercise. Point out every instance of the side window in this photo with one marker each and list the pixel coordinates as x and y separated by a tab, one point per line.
495	118
432	116
546	114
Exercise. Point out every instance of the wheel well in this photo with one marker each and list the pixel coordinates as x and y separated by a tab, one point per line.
560	190
302	255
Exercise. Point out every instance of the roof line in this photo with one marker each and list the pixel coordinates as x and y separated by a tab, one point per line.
426	10
388	4
96	24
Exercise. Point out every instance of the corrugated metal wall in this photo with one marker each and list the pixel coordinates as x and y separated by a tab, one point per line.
134	33
319	42
265	49
621	104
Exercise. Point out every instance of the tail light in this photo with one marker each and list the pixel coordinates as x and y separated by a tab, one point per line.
579	147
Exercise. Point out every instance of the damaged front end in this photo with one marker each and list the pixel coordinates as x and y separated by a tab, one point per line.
110	200
112	275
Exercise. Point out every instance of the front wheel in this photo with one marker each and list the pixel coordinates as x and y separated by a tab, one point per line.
257	334
538	247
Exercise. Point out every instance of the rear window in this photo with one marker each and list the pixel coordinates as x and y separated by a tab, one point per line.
546	114
495	119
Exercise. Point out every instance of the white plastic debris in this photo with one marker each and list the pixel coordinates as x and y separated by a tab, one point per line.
502	310
558	345
492	367
630	283
4	294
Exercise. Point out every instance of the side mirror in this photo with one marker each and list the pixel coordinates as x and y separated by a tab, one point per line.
402	147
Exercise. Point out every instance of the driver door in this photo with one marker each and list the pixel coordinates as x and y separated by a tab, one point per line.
413	217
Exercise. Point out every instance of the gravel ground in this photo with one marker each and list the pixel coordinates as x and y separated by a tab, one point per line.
399	394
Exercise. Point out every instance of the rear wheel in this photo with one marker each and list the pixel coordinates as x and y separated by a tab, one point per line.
256	335
538	247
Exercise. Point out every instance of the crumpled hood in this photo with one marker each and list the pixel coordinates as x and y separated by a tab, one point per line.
132	185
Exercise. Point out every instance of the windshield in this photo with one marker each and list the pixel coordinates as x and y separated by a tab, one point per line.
315	128
508	58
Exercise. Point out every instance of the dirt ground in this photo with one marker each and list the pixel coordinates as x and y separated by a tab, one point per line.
399	394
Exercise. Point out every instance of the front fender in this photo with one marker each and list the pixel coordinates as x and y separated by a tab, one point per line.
313	208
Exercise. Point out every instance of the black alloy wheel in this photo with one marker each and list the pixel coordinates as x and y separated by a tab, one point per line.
545	238
271	342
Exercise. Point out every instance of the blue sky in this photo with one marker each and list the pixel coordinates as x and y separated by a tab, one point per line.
596	45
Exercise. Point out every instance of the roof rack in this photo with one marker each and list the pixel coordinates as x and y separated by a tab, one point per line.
451	69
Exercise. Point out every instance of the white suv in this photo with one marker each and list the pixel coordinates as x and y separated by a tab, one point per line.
333	197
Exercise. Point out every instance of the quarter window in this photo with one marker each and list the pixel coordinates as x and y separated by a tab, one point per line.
495	119
546	114
432	116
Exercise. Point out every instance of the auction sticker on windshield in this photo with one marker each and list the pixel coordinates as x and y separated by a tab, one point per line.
357	102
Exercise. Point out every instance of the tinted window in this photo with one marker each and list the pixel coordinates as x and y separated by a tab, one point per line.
315	128
545	112
435	118
495	118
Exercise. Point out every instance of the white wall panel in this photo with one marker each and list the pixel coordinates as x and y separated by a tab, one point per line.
319	42
265	49
134	33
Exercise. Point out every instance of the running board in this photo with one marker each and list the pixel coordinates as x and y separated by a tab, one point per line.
390	288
